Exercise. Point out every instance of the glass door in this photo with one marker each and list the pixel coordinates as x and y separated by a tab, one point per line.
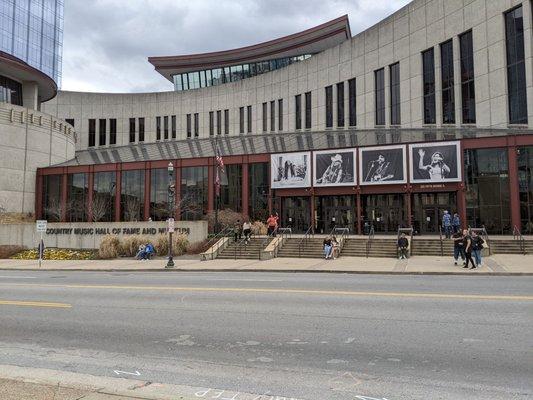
296	213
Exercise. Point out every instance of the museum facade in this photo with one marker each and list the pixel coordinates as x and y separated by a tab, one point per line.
429	110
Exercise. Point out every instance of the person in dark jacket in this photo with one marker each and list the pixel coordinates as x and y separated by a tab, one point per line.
477	247
467	244
458	249
456	223
403	246
328	248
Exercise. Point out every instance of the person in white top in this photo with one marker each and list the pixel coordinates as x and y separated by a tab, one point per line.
247	230
437	169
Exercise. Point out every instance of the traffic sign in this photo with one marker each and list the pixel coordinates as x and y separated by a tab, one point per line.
41	225
171	225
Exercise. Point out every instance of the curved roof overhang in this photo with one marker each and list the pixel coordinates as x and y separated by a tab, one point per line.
19	70
310	41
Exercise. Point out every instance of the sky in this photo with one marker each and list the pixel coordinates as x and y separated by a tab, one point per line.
107	42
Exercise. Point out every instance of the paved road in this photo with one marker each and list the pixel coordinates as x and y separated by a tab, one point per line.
305	336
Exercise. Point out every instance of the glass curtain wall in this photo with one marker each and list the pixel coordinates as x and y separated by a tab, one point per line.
10	91
487	190
78	192
132	196
52	207
159	194
194	185
259	187
525	184
231	188
104	187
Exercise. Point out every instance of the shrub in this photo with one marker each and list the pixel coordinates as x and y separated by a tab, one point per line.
6	251
129	245
179	245
198	247
259	228
109	247
225	218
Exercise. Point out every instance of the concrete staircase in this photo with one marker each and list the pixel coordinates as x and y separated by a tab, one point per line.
510	246
381	247
313	248
250	251
431	247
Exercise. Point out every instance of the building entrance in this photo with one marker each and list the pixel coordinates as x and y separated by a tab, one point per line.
428	209
383	211
335	211
296	213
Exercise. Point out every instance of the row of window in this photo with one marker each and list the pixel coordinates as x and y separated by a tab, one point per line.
218	122
102	132
269	116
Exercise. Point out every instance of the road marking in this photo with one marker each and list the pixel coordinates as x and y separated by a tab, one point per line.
244	280
34	304
284	291
136	373
17	277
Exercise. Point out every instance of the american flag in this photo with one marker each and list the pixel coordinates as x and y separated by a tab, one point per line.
219	167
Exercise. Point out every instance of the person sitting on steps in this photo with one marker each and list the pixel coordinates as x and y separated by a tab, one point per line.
328	247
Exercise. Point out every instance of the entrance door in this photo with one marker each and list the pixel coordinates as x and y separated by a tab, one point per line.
334	211
296	213
428	209
383	211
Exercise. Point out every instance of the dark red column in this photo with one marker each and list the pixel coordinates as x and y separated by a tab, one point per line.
177	211
514	189
210	188
359	213
118	191
461	205
64	197
90	195
39	196
147	192
245	195
409	209
312	210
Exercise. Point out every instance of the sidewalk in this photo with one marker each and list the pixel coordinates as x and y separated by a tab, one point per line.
502	264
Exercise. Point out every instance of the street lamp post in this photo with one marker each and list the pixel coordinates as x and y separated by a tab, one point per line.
171	195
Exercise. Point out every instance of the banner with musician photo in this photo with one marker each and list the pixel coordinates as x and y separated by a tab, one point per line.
384	165
435	162
334	168
290	170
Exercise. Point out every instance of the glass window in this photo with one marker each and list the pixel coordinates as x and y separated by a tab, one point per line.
298	111
10	90
178	85
197	124
249	118
132	196
272	115
259	187
487	189
329	106
165	127
141	129
231	187
395	118
52	207
241	120
379	92
211	123
173	123
448	97
102	132
132	130
158	128
189	126
69	121
78	192
525	187
112	131
185	80
428	66
516	68
226	122
340	104
202	79
280	114
103	206
308	106
468	94
193	203
159	194
265	116
208	78
219	122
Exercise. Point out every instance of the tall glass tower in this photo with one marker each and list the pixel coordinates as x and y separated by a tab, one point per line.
32	30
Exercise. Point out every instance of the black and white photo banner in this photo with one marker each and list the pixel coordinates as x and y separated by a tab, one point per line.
435	162
290	170
382	165
334	168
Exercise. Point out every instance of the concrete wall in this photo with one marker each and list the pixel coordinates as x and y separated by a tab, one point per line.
72	236
400	37
29	140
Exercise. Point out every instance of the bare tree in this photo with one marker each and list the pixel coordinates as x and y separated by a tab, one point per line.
99	206
55	209
132	209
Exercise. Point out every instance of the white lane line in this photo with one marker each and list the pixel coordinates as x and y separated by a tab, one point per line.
244	280
17	277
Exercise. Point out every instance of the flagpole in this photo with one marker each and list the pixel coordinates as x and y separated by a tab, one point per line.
217	192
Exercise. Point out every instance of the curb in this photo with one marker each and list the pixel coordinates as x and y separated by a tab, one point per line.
444	273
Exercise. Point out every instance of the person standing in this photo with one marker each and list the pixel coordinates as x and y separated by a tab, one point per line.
247	230
447	224
458	249
456	223
272	223
237	230
477	247
467	244
403	245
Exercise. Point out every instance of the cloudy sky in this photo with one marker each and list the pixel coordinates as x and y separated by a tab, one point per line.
107	42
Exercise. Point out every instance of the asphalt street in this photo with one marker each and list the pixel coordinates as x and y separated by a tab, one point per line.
301	336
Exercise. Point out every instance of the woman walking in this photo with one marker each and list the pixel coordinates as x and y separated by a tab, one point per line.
467	244
477	247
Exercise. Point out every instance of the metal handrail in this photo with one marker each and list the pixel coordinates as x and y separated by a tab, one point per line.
517	235
369	240
239	247
409	230
215	240
344	232
269	238
310	232
440	238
